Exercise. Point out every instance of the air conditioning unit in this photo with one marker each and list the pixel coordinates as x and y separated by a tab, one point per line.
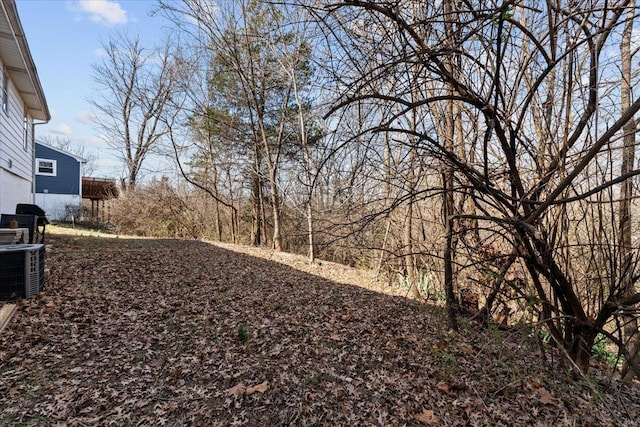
21	270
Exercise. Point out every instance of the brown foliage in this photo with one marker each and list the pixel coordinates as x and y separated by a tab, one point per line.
155	210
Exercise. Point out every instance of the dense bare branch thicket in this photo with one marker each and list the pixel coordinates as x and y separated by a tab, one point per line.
158	209
520	110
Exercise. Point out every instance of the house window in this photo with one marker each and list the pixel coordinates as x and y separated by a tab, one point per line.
46	167
5	91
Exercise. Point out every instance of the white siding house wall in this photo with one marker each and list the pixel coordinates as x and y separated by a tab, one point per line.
14	190
22	101
16	157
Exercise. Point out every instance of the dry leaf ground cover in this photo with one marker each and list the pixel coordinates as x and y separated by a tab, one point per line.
167	332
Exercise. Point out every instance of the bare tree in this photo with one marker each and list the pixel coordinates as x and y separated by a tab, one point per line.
294	61
536	119
133	86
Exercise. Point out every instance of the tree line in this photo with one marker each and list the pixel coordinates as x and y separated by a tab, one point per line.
470	150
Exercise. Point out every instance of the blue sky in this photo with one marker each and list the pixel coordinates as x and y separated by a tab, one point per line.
65	38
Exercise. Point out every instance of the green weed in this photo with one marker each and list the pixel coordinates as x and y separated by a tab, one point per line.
428	285
243	332
449	364
602	353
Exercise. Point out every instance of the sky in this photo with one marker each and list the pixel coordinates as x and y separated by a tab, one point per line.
65	38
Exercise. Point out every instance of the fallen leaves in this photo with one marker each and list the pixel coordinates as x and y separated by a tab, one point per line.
146	332
438	346
426	417
259	388
543	395
237	390
240	389
443	387
547	398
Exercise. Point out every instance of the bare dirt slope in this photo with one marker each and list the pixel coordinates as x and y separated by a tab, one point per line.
161	332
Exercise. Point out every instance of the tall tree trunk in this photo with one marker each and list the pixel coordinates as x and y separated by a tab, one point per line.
312	254
449	251
275	209
218	222
448	194
256	202
448	204
263	215
626	192
409	257
235	223
218	217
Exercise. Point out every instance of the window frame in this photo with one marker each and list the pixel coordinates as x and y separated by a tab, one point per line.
54	167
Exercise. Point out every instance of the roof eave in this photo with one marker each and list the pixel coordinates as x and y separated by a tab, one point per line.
31	92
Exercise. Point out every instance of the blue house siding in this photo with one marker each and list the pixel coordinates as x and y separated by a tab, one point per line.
67	173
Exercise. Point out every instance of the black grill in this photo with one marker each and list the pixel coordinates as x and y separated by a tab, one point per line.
28	216
26	209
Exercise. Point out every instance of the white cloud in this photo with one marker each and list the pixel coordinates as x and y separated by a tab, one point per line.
86	117
103	12
92	141
62	129
100	52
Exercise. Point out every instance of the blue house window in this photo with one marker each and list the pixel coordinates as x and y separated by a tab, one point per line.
46	167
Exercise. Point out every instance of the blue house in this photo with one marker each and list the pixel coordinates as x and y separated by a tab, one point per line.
58	182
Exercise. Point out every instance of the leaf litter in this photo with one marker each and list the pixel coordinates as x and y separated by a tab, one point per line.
168	332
